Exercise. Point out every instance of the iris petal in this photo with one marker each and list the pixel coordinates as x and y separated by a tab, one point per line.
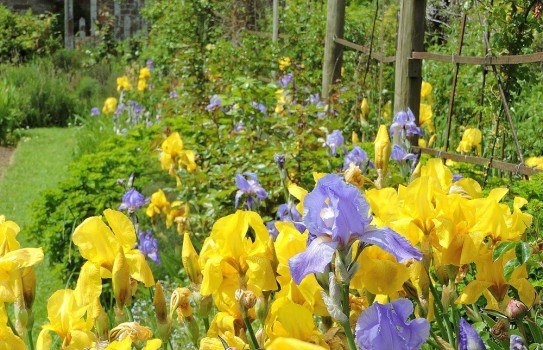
312	260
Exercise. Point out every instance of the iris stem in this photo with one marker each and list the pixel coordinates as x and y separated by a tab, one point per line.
10	324
444	316
30	340
252	337
129	312
206	323
346	325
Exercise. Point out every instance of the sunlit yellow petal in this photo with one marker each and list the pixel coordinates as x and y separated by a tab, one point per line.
96	242
292	344
139	268
472	292
122	227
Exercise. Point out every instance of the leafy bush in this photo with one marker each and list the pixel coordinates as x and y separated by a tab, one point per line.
25	36
90	188
11	116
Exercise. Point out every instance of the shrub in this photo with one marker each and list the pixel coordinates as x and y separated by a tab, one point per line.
90	188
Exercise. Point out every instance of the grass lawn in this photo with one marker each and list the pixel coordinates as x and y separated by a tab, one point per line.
39	162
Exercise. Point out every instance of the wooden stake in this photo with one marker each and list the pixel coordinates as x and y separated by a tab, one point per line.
333	52
69	24
408	77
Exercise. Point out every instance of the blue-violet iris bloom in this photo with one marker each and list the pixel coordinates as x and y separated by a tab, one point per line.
133	200
336	215
334	141
385	326
258	106
248	184
214	102
357	156
399	154
95	111
516	343
405	123
148	246
468	338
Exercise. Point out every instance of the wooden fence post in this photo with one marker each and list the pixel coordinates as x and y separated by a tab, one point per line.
333	52
93	16
275	33
408	77
69	24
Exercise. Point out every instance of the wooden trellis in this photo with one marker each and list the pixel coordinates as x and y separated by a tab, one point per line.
408	65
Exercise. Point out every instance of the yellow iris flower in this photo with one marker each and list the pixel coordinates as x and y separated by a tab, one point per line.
99	244
534	162
382	149
380	273
8	340
231	260
110	105
123	83
471	138
491	283
173	156
158	204
66	316
291	320
145	73
293	344
290	242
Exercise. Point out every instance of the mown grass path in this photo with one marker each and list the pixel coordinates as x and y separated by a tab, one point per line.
39	162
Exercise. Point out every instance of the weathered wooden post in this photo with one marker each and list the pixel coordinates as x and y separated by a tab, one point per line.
333	52
69	24
275	31
117	14
93	16
82	28
408	74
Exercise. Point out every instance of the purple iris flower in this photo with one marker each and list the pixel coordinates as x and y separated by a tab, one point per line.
334	141
150	64
357	156
336	214
239	127
95	111
399	154
148	246
120	109
457	177
405	123
516	343
133	200
258	106
468	338
248	184
173	94
214	103
284	213
279	160
285	80
385	326
273	231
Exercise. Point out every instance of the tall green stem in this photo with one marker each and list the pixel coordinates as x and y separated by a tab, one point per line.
444	316
346	325
129	312
30	340
252	337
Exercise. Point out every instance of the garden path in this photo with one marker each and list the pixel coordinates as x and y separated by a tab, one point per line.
39	161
